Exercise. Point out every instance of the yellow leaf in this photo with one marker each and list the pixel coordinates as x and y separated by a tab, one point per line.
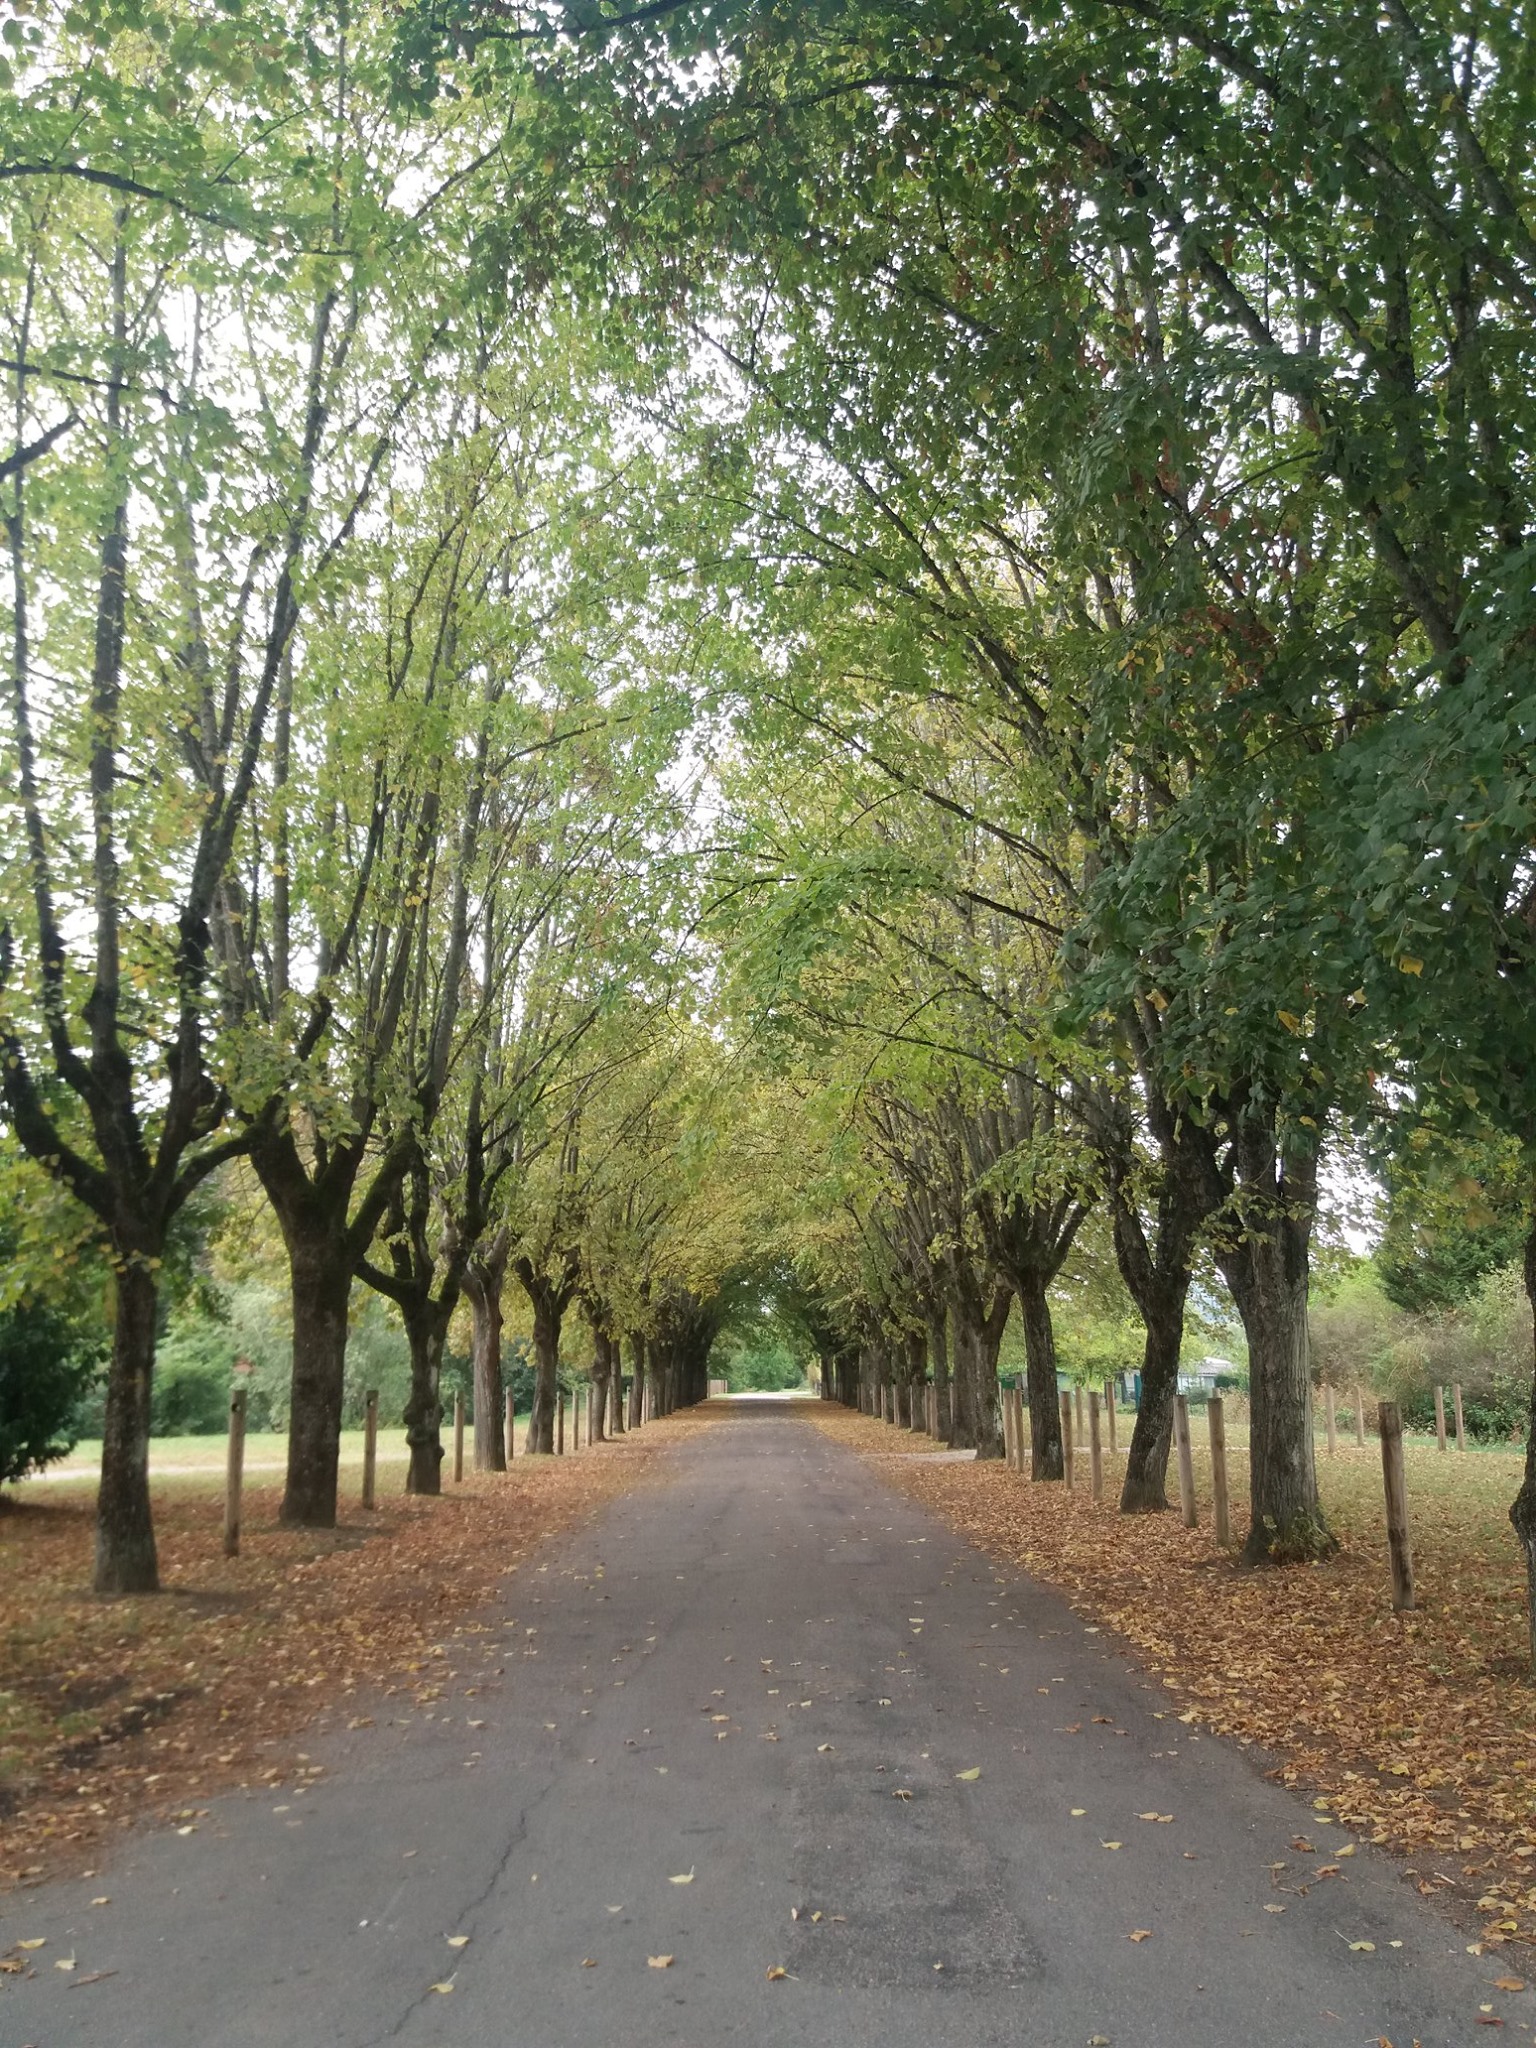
1362	1948
1289	1019
969	1777
777	1972
1078	1812
686	1878
65	1963
445	1987
1274	1909
457	1940
659	1962
1409	965
1509	1983
824	1749
1139	1934
589	1962
40	1942
1111	1845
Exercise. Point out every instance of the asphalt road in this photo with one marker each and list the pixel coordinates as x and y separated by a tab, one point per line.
771	1675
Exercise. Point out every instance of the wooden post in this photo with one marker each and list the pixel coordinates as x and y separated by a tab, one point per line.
458	1438
234	1477
576	1419
1095	1449
559	1422
1077	1410
1220	1498
1331	1421
1109	1411
1395	1485
1008	1443
371	1448
511	1425
1066	1438
1359	1419
1186	1460
1461	1427
1440	1416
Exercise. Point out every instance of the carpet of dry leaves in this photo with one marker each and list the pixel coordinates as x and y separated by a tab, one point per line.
116	1710
1418	1730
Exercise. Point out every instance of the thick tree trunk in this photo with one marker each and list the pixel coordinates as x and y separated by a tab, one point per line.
602	1375
483	1284
1266	1267
1522	1513
1045	1453
320	1285
426	1325
125	1537
546	1371
1145	1490
637	1362
989	1341
938	1361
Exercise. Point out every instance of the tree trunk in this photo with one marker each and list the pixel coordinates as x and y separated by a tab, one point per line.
938	1360
989	1341
546	1370
1522	1513
483	1284
320	1285
637	1351
1146	1467
602	1375
1266	1268
125	1537
426	1325
1045	1455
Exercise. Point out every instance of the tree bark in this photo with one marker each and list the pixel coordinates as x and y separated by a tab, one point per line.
637	1364
426	1326
938	1359
483	1281
1045	1453
126	1561
1266	1267
546	1369
320	1286
1522	1513
1145	1490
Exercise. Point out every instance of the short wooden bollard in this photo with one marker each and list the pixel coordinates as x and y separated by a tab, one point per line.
1359	1419
511	1424
1461	1426
1395	1486
560	1423
1077	1411
371	1448
1186	1460
234	1478
1021	1429
1095	1450
1066	1438
1109	1416
1008	1443
1221	1499
1331	1421
1440	1416
458	1439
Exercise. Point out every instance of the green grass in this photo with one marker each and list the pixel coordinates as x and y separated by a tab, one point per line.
199	1460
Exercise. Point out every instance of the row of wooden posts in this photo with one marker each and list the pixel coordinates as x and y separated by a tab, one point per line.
234	1480
1101	1421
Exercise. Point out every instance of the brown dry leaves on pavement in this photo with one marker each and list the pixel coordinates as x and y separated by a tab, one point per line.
1418	1730
111	1710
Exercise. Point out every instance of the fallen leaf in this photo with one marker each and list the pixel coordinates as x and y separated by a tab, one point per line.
1274	1909
1078	1812
65	1963
105	1900
1509	1983
777	1972
1139	1934
824	1749
659	1962
1111	1845
686	1878
445	1987
457	1940
901	1792
969	1777
1362	1948
589	1962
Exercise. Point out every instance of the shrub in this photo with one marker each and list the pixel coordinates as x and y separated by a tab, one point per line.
44	1370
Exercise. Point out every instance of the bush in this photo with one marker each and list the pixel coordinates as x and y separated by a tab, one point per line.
44	1371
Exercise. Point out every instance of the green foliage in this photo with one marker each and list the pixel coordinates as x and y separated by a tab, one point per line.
45	1367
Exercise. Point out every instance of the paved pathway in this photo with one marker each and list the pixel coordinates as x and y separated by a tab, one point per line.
771	1672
